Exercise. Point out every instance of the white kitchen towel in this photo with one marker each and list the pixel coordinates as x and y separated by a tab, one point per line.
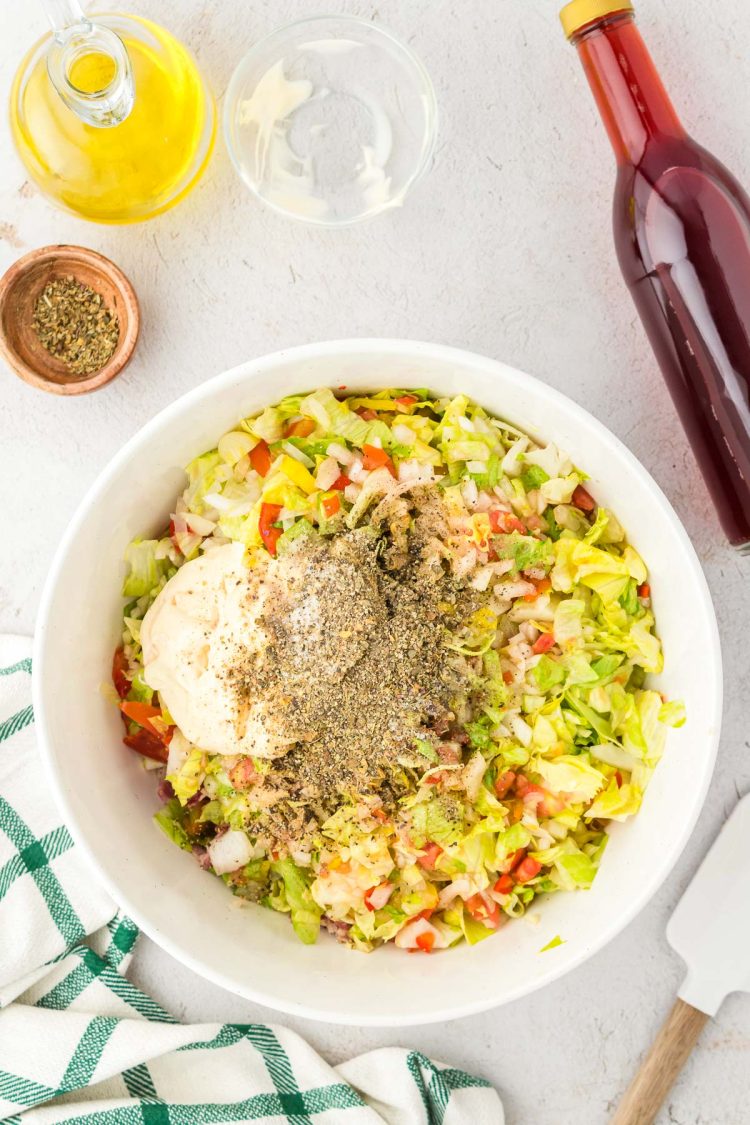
80	1043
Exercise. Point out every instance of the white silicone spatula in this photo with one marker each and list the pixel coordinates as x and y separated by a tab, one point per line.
710	929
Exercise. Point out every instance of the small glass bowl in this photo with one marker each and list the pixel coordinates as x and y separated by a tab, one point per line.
330	120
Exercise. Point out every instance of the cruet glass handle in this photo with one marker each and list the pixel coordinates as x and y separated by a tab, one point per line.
88	65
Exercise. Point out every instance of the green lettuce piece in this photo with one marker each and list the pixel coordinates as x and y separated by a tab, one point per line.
202	479
306	913
186	781
568	624
269	426
473	931
533	477
673	714
298	530
547	673
629	598
440	819
605	528
570	773
579	868
168	819
140	692
146	571
335	417
524	550
509	841
615	803
644	735
553	944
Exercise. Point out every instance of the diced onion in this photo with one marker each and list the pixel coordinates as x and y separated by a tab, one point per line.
230	851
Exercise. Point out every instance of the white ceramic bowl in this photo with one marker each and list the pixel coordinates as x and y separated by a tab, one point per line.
108	799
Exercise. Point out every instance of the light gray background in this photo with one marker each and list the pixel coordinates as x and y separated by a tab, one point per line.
504	248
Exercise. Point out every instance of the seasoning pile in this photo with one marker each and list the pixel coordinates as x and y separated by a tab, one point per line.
355	671
73	323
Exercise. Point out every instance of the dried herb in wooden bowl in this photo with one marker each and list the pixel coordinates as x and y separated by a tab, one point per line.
74	324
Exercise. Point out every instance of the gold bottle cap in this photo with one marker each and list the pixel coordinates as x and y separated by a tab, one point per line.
578	13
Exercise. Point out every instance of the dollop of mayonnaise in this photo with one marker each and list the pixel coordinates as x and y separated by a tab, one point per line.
204	626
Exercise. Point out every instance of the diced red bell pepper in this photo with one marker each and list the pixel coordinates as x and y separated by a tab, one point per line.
527	869
429	857
504	885
583	499
340	483
379	814
119	678
330	505
366	414
303	427
260	458
146	743
507	677
543	643
644	591
426	941
373	457
504	783
270	535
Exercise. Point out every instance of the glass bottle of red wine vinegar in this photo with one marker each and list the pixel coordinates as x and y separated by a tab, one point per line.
682	232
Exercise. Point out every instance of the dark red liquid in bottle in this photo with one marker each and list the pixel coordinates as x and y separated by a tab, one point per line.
682	231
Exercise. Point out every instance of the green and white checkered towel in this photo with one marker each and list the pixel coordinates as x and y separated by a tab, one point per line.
79	1043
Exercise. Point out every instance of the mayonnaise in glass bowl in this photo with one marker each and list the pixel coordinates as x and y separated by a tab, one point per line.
330	120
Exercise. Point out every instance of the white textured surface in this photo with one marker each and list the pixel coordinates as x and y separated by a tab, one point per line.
504	248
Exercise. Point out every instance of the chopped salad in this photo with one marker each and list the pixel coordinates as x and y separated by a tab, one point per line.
555	733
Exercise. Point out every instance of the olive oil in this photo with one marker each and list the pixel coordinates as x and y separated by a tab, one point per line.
136	167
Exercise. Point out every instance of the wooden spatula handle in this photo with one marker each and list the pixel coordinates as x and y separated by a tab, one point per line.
660	1068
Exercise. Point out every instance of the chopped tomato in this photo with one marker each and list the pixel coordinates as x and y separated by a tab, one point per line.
141	713
504	885
375	458
366	415
330	505
527	869
505	521
543	643
340	483
379	814
583	499
504	783
618	779
405	402
426	941
482	911
430	856
507	677
119	678
146	743
303	427
270	535
644	591
434	778
260	458
542	586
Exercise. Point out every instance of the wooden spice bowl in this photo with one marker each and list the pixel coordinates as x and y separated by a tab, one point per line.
20	288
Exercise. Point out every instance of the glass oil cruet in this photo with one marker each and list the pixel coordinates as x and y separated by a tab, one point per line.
110	115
